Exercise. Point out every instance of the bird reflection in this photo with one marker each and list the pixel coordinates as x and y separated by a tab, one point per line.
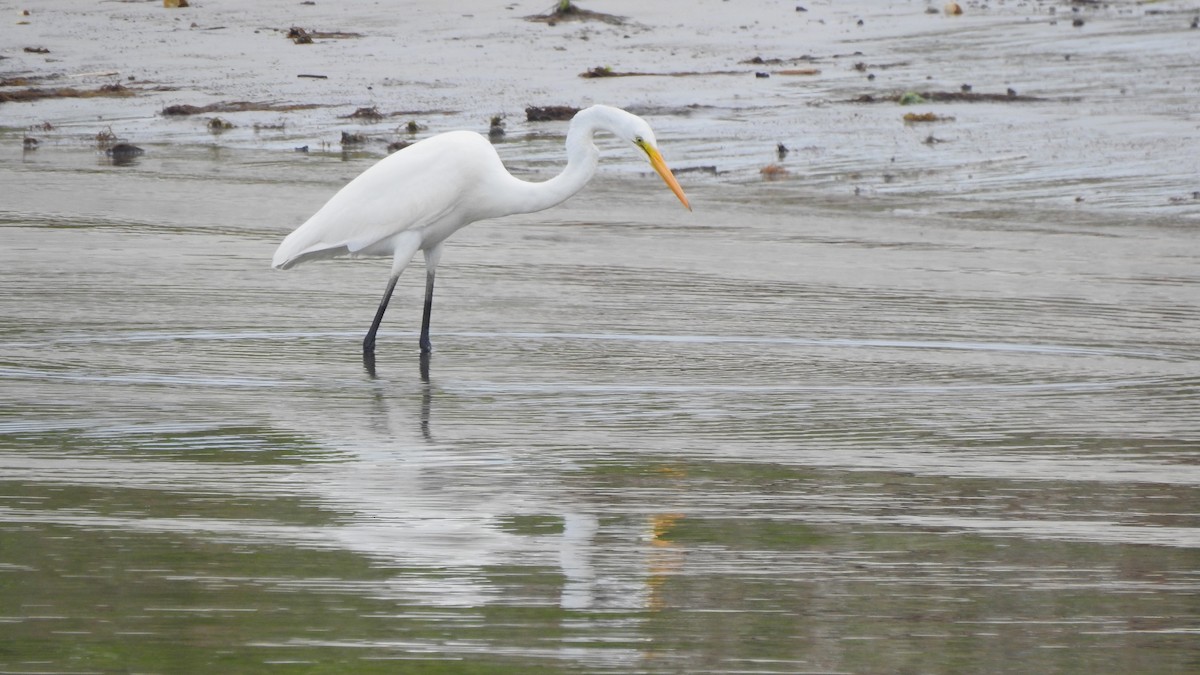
426	397
426	387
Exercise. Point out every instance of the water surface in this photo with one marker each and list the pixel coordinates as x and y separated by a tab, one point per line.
778	434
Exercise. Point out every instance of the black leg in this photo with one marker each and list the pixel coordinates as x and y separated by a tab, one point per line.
426	347
369	341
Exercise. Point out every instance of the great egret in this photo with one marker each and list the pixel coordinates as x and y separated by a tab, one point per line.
415	198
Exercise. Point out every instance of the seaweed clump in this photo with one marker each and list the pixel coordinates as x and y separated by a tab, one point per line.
566	10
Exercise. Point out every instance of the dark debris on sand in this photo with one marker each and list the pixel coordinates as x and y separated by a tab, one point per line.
37	93
569	11
946	97
549	113
235	106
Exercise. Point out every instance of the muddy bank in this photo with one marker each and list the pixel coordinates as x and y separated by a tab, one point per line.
1036	109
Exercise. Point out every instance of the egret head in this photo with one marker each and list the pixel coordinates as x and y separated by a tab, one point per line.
643	137
634	129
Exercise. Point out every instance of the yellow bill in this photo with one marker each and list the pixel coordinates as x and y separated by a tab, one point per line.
660	166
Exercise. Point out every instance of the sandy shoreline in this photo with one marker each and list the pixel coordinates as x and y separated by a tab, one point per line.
1114	126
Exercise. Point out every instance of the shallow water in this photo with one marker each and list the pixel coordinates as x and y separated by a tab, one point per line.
778	434
912	407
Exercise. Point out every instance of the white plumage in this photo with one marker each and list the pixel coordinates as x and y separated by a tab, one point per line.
414	199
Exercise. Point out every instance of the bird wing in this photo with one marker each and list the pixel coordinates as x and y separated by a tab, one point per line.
426	188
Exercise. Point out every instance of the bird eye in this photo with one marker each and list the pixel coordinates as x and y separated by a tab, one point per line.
639	140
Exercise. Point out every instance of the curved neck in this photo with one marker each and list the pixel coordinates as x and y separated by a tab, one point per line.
582	158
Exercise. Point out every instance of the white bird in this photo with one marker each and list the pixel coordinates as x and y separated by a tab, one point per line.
412	200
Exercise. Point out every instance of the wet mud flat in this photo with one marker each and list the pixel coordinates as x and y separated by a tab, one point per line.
1079	105
919	398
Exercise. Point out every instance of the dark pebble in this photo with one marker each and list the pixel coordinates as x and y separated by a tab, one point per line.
124	151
